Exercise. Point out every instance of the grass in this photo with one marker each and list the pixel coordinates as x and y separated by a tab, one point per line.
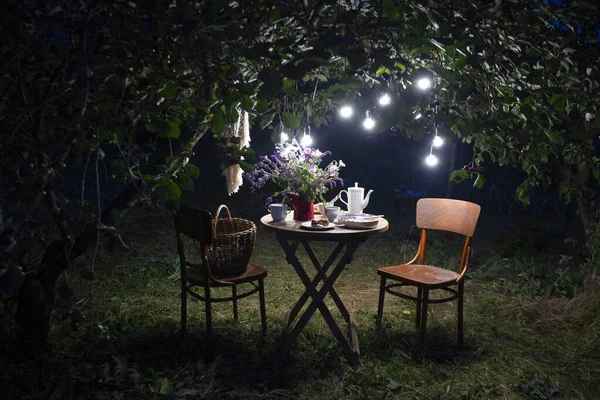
517	345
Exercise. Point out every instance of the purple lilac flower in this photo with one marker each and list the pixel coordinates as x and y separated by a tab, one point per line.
296	169
269	202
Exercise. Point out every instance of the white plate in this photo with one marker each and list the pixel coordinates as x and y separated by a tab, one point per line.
308	225
360	225
359	221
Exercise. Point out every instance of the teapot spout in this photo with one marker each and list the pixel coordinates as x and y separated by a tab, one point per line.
365	202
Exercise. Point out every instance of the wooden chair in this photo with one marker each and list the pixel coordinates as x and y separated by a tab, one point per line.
433	214
196	224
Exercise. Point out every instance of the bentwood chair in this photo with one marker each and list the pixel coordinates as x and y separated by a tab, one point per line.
433	214
196	224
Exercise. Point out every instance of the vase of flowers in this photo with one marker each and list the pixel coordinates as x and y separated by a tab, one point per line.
295	170
304	209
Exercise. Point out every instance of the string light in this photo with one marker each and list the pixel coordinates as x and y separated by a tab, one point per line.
419	115
385	99
306	139
346	112
431	160
438	141
369	123
424	83
284	137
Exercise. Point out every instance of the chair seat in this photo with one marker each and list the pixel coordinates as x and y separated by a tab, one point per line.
195	275
425	275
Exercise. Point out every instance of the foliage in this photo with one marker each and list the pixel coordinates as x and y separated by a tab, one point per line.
295	168
108	96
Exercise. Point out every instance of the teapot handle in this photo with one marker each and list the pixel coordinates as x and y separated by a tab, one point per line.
340	194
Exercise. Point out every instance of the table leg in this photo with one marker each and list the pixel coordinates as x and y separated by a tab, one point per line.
351	352
321	274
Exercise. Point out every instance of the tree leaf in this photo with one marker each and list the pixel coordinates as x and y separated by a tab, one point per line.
459	175
464	92
479	182
192	170
246	103
165	128
218	122
262	106
168	190
444	73
392	11
294	92
185	181
557	97
527	111
168	91
461	62
290	120
174	190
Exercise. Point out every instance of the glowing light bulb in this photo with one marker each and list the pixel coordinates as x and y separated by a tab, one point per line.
284	137
424	83
385	99
419	115
369	123
438	141
431	160
346	112
306	140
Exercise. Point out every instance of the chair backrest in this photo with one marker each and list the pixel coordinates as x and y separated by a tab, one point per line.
194	223
448	215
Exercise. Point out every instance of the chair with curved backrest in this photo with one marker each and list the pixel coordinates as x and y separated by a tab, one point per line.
197	225
433	214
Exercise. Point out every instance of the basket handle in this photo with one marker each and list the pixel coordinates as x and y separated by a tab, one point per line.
222	206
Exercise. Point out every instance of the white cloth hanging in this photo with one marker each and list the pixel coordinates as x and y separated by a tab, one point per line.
241	129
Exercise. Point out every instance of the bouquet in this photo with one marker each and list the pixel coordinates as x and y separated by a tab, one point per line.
295	169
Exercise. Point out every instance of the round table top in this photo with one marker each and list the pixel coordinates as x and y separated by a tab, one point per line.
293	228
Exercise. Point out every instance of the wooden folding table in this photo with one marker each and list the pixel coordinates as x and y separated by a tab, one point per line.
290	234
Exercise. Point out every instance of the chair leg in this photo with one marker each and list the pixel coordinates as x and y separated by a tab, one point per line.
381	300
419	302
461	291
235	303
261	300
183	306
423	328
208	312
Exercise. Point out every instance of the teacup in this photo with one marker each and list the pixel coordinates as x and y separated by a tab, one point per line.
331	212
278	211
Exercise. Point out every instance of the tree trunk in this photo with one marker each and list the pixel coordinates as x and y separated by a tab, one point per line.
37	291
586	211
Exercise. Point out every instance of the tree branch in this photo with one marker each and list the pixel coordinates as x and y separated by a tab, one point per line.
86	66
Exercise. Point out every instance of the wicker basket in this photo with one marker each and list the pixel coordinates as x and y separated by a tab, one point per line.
232	243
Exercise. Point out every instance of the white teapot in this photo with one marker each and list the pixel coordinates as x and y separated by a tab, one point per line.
356	200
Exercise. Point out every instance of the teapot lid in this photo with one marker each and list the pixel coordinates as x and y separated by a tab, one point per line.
355	187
